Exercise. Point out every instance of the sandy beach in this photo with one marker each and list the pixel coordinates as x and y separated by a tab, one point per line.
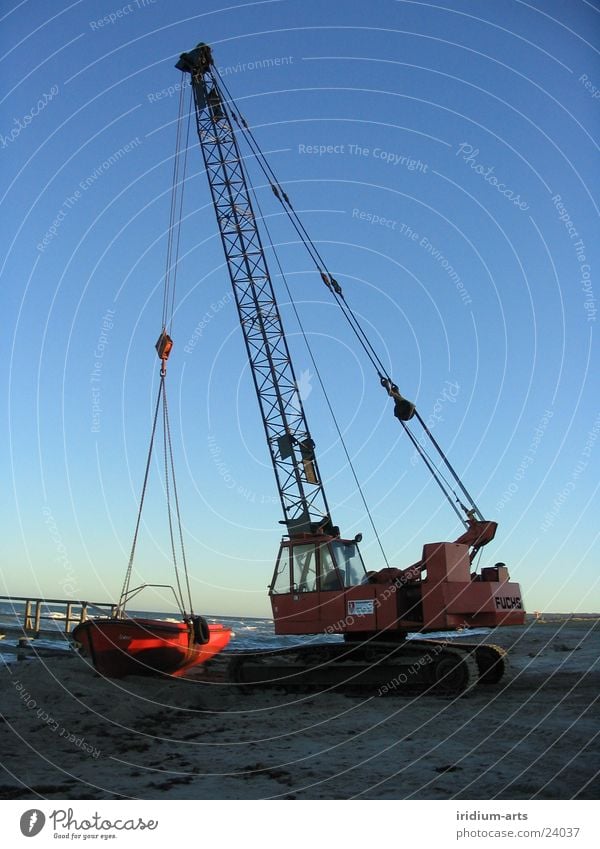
66	733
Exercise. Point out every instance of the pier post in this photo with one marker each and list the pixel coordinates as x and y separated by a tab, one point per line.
38	616
32	619
27	622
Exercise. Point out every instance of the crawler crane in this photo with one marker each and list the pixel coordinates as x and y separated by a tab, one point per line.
320	584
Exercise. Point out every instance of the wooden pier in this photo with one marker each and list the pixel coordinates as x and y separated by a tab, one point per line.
35	613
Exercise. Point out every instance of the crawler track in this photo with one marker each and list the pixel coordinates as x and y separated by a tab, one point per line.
414	667
492	661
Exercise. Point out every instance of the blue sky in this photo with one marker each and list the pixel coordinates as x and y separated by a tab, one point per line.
443	156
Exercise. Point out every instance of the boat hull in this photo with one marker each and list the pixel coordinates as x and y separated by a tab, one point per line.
119	647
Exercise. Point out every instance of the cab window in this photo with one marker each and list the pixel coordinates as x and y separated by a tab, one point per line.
281	578
305	568
349	562
330	577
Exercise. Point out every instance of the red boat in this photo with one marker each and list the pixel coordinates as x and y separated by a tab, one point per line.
123	646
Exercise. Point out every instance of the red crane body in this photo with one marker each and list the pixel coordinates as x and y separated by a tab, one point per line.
320	584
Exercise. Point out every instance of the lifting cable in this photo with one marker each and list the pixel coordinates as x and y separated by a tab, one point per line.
336	290
172	215
170	468
175	214
163	348
126	582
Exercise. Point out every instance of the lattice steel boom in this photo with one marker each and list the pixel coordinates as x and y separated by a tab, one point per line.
290	444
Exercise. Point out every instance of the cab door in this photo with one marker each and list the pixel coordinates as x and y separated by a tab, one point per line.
331	592
307	590
305	595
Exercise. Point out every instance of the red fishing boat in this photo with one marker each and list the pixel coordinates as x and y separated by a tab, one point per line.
129	645
124	646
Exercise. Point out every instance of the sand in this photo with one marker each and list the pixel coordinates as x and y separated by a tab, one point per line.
66	733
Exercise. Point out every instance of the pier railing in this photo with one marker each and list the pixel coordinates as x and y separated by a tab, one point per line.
35	612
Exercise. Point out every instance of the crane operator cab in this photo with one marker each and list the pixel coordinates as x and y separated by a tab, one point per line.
317	581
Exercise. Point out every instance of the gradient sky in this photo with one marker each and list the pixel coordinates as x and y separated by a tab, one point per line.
469	124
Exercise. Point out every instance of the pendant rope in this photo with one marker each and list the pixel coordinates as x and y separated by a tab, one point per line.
338	295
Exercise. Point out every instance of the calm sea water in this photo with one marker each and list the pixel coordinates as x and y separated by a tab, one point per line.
250	632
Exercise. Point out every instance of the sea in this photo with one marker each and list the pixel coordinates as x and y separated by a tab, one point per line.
250	633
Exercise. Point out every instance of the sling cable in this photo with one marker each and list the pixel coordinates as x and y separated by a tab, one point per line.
163	347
